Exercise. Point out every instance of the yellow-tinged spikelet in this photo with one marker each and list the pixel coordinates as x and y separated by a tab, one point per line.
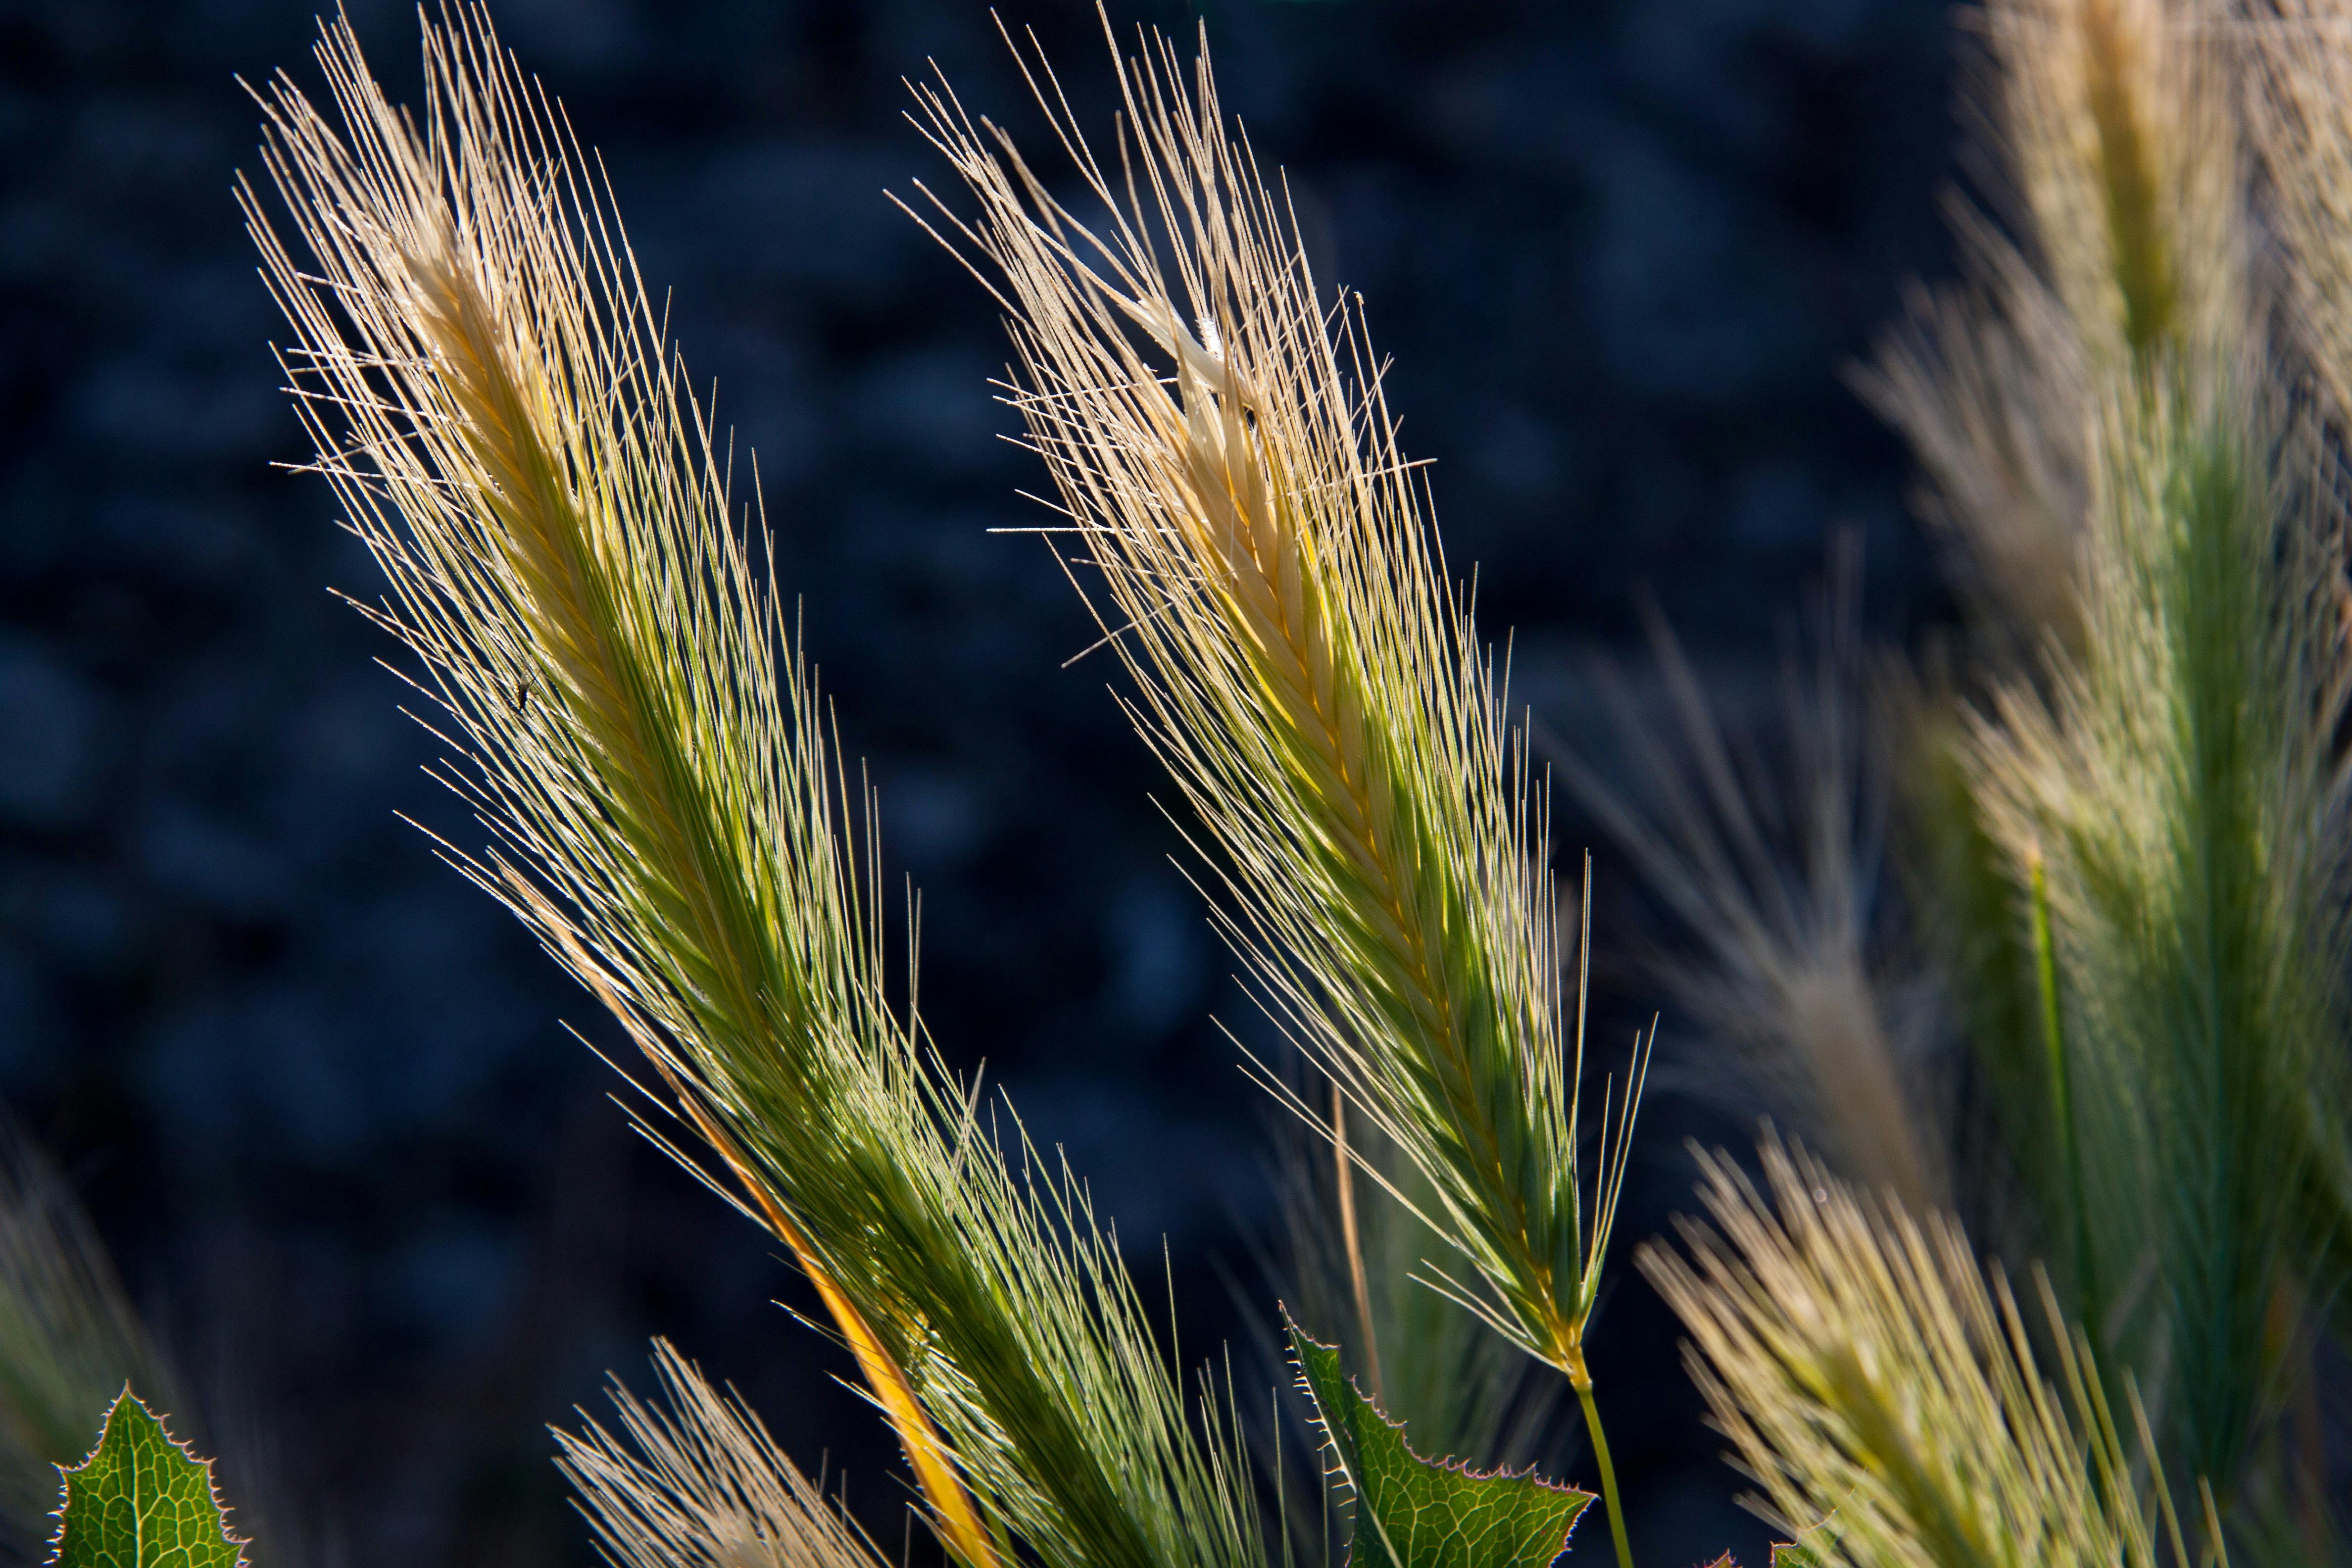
1302	664
2112	245
492	398
1886	1397
696	1481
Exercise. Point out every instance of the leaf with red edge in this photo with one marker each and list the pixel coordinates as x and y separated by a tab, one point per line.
141	1501
1413	1512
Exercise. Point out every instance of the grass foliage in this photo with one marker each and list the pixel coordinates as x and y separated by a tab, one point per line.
1887	1397
693	1480
2175	786
1303	665
2142	844
2119	844
492	399
2124	845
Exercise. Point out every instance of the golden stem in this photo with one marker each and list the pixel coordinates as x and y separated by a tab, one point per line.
951	1506
952	1512
1345	1171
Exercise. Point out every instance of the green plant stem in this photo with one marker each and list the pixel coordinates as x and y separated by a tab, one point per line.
2061	1094
1581	1380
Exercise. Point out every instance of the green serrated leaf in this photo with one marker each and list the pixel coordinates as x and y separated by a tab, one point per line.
1794	1554
1413	1512
141	1501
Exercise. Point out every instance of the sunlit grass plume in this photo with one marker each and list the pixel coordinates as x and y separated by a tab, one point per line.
1889	1401
492	398
1303	663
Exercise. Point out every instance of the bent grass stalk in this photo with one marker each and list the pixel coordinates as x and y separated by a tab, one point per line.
1360	1285
2062	1086
1304	667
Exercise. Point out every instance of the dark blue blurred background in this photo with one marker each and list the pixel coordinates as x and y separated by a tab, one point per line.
318	1090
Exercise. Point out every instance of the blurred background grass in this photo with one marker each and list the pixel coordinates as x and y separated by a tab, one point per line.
317	1092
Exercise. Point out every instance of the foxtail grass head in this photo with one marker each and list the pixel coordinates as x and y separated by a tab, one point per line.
492	396
2122	156
1887	1398
692	1479
1770	852
2112	243
1264	569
